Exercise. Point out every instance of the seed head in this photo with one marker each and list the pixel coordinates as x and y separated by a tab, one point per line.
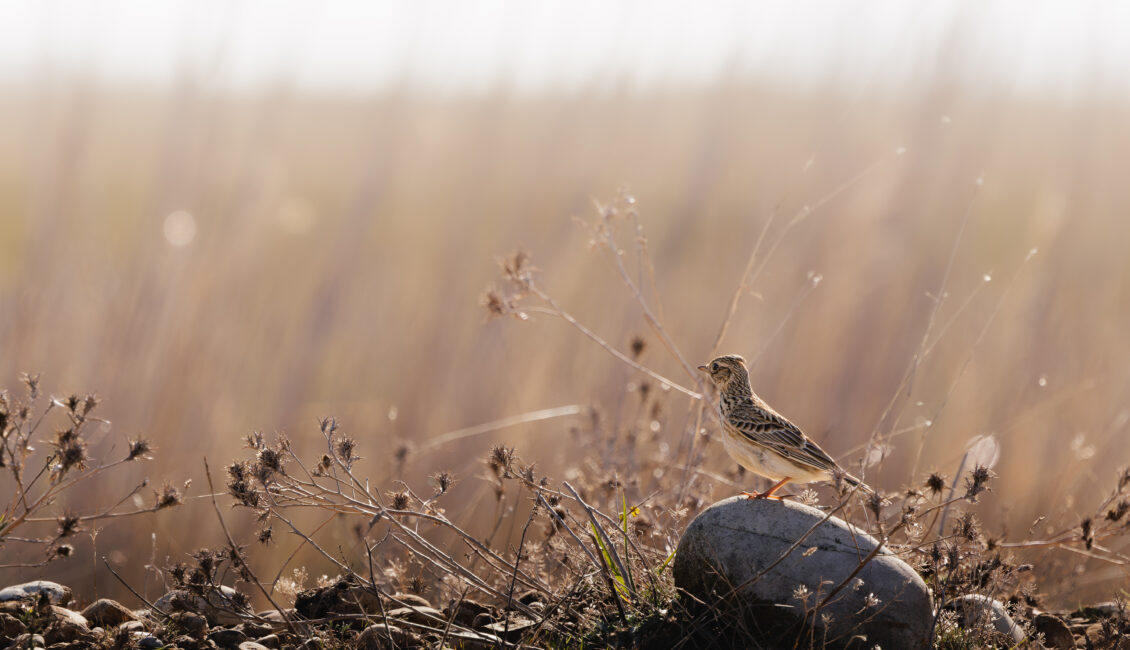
138	448
345	449
89	403
443	481
399	500
967	526
167	497
936	483
975	482
32	383
270	460
516	268
69	524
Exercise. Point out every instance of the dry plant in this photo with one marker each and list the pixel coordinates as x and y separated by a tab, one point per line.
588	561
40	480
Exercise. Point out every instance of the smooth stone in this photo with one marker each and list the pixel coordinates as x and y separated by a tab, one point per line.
150	642
28	641
421	615
58	594
269	641
253	630
978	610
190	623
227	638
402	599
1056	633
252	645
132	626
376	637
734	540
218	609
107	613
466	610
344	596
10	626
275	616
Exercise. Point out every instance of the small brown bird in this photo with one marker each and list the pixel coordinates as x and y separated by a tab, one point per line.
762	440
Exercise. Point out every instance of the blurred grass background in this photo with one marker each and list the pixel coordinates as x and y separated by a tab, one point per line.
342	241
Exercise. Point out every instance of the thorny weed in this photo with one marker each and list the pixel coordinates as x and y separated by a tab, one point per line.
40	470
589	561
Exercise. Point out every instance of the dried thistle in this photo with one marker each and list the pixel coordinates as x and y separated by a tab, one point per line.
32	383
936	483
138	448
399	500
500	460
89	403
255	440
167	497
976	481
516	268
967	526
443	481
269	461
345	448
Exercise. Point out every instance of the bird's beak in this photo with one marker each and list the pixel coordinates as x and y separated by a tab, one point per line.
704	368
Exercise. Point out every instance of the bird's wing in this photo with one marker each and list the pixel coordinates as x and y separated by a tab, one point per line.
780	435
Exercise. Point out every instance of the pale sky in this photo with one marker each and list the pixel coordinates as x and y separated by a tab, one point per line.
1065	48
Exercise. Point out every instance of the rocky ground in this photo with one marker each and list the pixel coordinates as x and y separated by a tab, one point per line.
43	614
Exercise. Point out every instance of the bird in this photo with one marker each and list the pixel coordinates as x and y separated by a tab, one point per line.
761	439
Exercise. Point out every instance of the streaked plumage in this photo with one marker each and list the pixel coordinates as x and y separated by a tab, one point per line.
762	440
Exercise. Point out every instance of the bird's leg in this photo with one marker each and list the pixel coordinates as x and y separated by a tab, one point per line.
768	494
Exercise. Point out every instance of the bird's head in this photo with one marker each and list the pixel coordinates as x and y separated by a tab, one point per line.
725	369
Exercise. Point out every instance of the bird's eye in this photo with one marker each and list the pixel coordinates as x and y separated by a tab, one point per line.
714	367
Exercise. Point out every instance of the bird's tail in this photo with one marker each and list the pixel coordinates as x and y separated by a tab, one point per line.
854	482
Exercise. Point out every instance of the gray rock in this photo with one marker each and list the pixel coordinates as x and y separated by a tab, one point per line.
465	610
1056	633
227	638
10	627
150	642
190	623
269	641
274	616
404	599
724	551
251	645
133	626
66	626
979	611
28	641
107	613
219	608
58	594
377	637
422	615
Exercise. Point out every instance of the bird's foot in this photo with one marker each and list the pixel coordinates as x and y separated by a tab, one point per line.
762	495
